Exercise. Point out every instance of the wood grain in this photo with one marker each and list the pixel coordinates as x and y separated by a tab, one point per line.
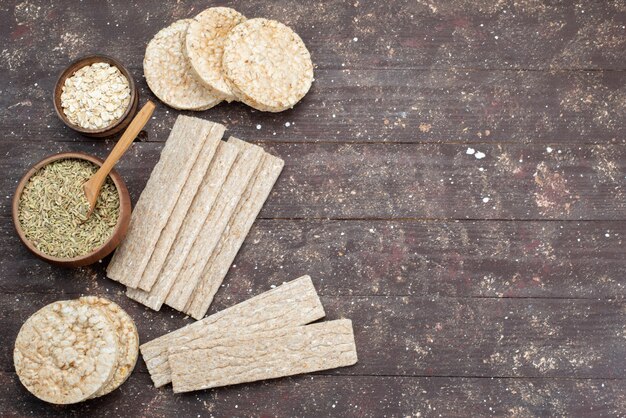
384	258
439	336
397	106
353	396
402	34
511	306
407	181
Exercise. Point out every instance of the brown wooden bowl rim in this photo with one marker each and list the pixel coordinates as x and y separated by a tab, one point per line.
75	66
124	218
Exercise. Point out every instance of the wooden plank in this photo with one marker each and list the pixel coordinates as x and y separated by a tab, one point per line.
353	396
404	34
485	337
456	259
403	72
465	259
400	181
435	336
446	182
398	106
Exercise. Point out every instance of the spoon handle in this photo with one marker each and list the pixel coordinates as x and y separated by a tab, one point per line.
136	125
138	122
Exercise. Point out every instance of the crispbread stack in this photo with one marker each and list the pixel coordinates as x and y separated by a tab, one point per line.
220	55
266	355
214	226
264	337
160	197
238	226
192	217
74	350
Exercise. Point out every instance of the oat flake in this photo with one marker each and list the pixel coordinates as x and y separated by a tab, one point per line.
95	96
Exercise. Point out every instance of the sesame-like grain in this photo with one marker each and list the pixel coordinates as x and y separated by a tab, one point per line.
267	65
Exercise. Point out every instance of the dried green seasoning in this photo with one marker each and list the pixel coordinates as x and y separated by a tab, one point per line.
53	209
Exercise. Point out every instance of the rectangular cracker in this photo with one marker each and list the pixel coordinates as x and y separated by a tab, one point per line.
208	238
252	357
288	305
159	197
192	224
238	228
168	235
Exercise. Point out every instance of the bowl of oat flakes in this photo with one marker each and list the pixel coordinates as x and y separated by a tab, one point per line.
96	96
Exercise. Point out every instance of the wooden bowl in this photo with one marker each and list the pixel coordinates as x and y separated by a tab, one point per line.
99	253
118	125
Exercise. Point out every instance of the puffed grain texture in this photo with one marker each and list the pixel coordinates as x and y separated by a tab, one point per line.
204	47
189	230
267	65
169	74
128	340
190	189
234	235
66	352
232	190
288	305
157	201
252	357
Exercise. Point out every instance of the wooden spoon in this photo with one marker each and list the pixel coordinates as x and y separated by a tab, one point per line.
94	184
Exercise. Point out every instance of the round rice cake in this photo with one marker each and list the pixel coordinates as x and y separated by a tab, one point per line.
267	65
204	46
128	347
169	74
66	352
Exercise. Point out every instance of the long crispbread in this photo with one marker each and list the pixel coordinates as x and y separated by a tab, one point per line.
266	65
238	227
168	236
190	228
251	357
288	305
159	198
204	45
169	74
214	225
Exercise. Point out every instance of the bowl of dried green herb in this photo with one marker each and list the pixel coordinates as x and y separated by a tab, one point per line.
50	211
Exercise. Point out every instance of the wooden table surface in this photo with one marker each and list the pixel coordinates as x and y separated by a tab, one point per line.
477	286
